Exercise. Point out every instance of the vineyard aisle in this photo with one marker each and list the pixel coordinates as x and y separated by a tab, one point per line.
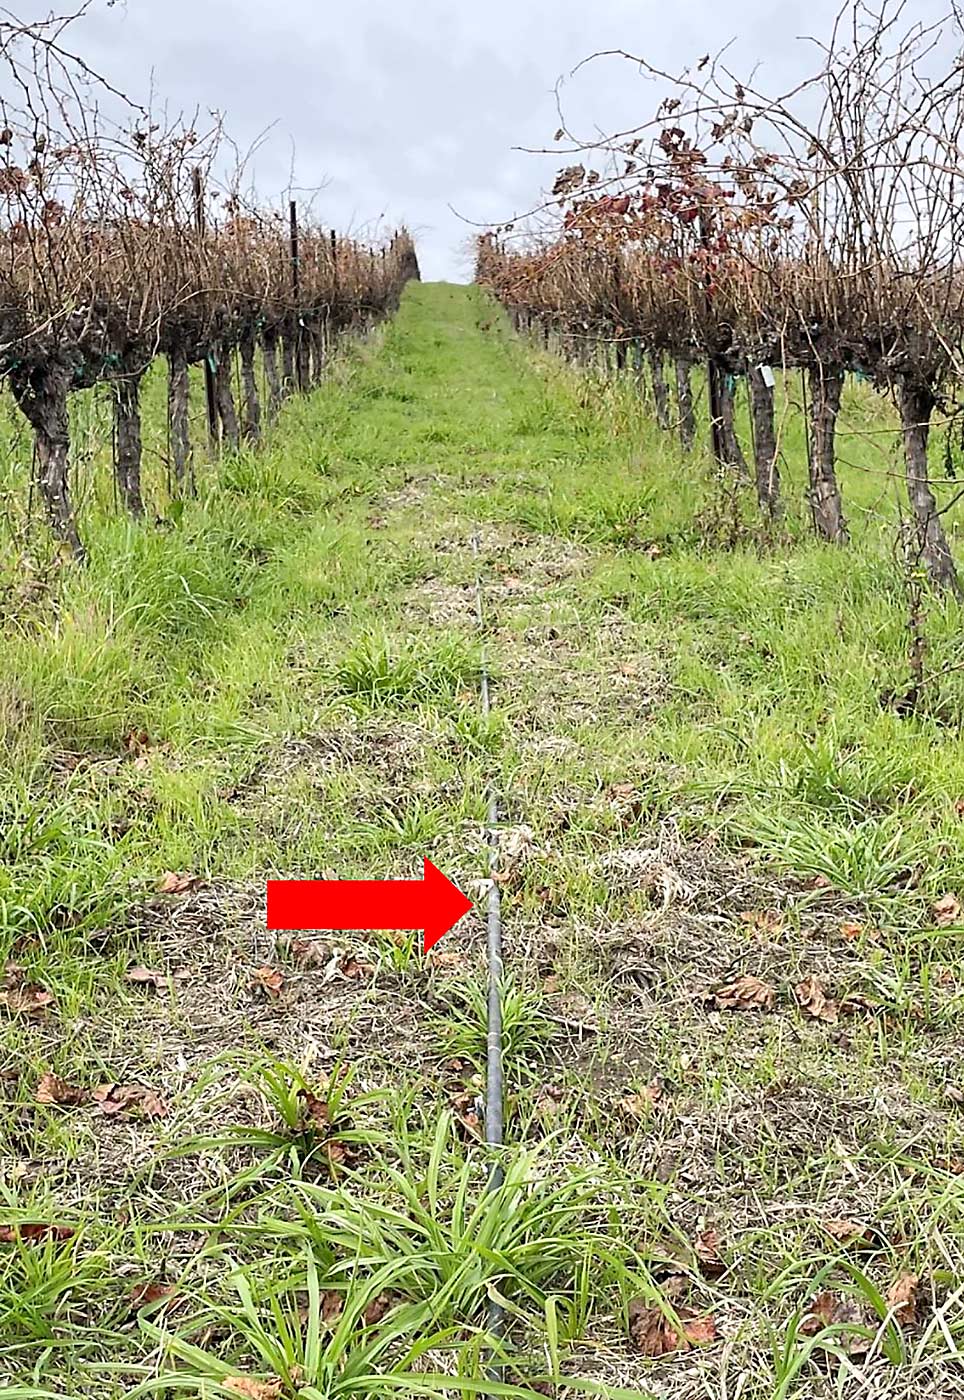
733	1103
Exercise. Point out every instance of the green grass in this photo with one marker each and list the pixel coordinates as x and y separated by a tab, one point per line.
699	778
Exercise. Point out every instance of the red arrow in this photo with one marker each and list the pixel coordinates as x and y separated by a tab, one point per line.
432	904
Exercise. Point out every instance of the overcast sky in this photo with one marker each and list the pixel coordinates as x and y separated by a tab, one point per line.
405	107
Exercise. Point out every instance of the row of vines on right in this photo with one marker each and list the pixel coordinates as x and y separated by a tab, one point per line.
739	234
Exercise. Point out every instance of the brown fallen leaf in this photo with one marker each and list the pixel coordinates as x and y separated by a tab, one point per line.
947	911
845	1231
177	882
332	1303
129	1098
746	993
820	882
828	1309
552	985
29	999
307	953
53	1090
706	1247
652	1333
142	1295
902	1298
355	968
445	961
146	977
548	1101
812	998
641	1104
251	1389
314	1114
34	1232
137	742
377	1309
851	931
467	1115
269	980
763	920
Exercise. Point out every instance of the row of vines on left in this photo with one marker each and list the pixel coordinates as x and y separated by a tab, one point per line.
123	240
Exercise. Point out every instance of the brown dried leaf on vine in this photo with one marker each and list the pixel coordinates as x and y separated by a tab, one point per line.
813	999
653	1334
745	993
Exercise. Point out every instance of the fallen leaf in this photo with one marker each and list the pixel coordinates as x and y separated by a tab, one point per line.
355	968
142	1295
377	1309
269	980
146	977
53	1090
174	882
652	1333
446	961
549	1100
32	1231
706	1247
642	1103
332	1303
30	999
828	1309
846	1231
315	1114
764	920
137	742
812	998
467	1113
947	911
851	931
252	1389
552	985
820	882
902	1298
129	1098
745	993
307	953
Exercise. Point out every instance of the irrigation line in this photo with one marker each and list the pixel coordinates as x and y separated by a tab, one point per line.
494	1079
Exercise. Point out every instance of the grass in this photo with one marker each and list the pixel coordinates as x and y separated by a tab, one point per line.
700	779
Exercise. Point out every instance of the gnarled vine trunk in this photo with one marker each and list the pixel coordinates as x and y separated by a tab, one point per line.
916	403
224	396
729	441
127	440
42	398
251	409
826	386
684	405
179	420
660	390
764	442
272	376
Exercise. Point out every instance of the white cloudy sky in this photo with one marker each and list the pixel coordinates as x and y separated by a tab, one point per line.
403	108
